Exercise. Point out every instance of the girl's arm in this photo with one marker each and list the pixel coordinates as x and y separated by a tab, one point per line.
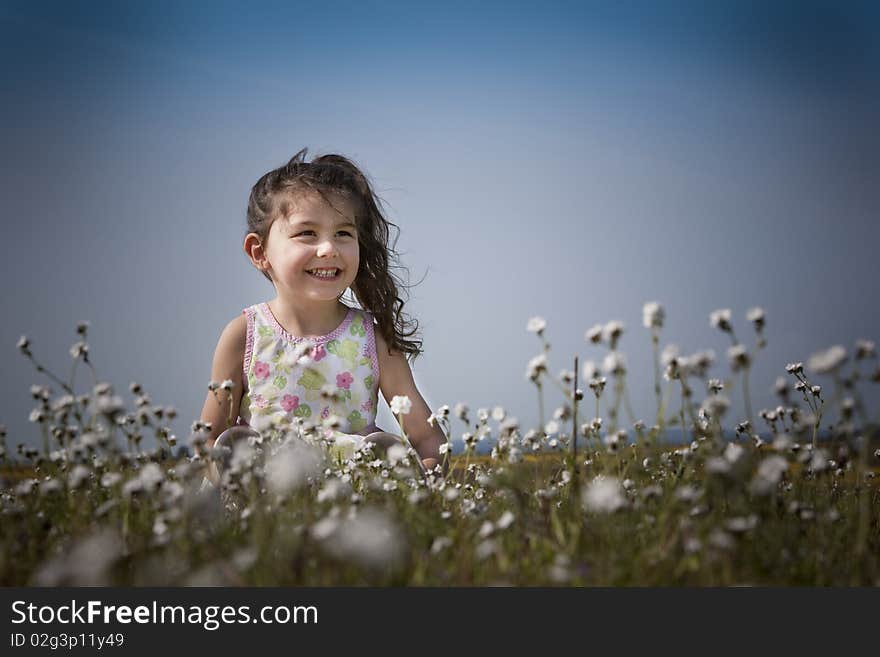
228	362
395	378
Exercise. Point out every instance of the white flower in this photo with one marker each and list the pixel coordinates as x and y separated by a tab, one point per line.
612	332
291	466
614	363
604	495
227	384
594	334
536	366
669	353
78	476
498	413
440	543
720	319
827	361
756	316
715	406
769	473
505	520
110	479
738	356
79	349
536	325
151	475
590	371
733	452
653	315
864	349
400	405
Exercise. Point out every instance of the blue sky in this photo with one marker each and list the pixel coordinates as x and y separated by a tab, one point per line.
569	160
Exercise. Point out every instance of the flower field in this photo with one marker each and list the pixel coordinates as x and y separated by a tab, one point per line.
591	496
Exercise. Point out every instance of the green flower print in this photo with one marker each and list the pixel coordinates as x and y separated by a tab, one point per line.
356	421
368	382
279	382
311	379
303	410
357	326
347	350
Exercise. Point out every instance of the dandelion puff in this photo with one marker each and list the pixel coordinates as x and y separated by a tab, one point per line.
400	405
715	406
721	540
440	543
370	538
611	333
768	475
740	525
151	476
864	349
333	489
324	528
86	563
536	367
669	353
653	315
720	319
291	467
110	479
79	350
733	452
828	361
603	495
590	370
757	317
738	356
614	363
536	325
498	414
594	334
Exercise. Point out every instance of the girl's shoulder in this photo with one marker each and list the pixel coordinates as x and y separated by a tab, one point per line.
236	328
233	338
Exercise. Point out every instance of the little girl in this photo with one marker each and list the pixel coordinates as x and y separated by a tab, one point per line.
314	230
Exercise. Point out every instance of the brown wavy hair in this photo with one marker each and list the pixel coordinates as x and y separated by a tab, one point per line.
375	287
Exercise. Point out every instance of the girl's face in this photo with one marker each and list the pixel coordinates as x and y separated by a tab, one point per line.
313	253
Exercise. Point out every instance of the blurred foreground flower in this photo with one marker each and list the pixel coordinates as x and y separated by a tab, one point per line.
604	495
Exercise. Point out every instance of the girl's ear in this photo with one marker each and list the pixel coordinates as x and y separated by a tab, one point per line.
253	247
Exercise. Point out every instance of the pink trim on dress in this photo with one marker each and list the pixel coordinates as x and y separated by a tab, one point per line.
248	345
280	332
371	345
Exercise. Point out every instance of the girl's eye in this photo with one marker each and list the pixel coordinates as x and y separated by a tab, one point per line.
309	233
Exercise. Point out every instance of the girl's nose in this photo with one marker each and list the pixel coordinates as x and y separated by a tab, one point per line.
326	248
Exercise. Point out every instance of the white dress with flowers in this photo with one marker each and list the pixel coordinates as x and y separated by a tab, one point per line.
287	377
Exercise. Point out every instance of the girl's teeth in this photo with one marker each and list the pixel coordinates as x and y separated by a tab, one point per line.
324	274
